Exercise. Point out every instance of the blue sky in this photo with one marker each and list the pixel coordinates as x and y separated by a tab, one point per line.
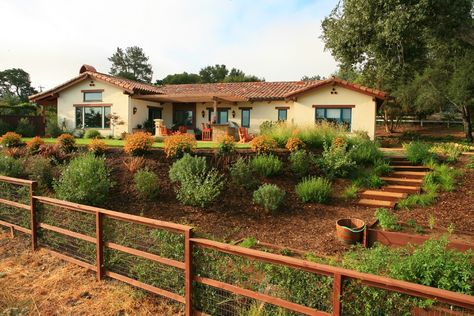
275	39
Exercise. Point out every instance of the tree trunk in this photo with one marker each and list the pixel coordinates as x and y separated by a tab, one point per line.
387	121
466	120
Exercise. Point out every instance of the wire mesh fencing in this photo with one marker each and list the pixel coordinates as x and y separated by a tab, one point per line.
287	283
17	214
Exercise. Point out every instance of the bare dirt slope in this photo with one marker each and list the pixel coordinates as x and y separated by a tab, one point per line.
40	284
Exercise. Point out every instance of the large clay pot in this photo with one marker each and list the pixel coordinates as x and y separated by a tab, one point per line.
350	230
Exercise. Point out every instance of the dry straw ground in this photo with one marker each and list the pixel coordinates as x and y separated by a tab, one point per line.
40	284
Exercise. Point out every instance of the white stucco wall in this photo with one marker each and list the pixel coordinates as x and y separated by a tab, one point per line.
363	114
142	111
111	95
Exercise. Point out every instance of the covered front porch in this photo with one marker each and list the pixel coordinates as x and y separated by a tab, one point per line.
207	116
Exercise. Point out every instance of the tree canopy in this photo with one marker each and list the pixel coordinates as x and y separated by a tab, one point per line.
131	63
390	43
210	74
15	86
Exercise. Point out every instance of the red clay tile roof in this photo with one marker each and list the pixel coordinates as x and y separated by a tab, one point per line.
130	86
251	91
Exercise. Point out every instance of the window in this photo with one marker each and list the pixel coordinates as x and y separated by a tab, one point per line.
184	118
340	116
93	96
211	111
245	120
93	117
282	114
222	116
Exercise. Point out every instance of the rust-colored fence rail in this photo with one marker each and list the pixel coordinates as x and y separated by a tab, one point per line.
206	276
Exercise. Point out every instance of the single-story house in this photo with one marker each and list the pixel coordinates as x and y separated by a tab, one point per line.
90	99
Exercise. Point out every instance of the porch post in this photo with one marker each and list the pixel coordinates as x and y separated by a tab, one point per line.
215	112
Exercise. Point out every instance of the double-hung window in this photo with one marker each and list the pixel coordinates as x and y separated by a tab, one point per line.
92	116
245	118
335	115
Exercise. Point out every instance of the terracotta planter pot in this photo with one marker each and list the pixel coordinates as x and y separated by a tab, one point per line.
350	230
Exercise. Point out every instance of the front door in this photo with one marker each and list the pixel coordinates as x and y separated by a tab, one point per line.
184	114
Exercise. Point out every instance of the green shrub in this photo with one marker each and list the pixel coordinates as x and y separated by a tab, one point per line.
367	178
335	161
450	151
53	129
242	174
314	190
25	128
85	180
300	162
40	169
4	127
266	165
431	264
146	183
200	189
382	167
445	176
92	133
363	151
269	196
11	167
185	166
350	192
226	145
418	152
419	199
387	220
197	185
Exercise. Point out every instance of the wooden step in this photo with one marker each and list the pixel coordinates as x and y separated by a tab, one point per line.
401	162
402	181
410	168
376	203
383	195
398	158
409	174
468	153
401	188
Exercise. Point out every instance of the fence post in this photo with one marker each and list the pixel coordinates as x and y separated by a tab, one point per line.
336	295
188	279
99	245
33	222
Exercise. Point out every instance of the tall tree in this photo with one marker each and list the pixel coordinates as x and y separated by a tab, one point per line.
212	74
15	86
180	78
388	41
131	64
311	78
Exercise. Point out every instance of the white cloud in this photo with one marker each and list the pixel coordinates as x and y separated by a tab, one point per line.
275	39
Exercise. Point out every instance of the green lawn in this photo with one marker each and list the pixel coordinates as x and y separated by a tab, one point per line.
120	143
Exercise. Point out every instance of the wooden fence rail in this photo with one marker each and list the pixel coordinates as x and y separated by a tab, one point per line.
101	243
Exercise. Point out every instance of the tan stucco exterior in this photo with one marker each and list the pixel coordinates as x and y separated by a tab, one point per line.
301	109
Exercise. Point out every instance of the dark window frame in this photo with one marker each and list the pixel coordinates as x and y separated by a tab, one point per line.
242	118
286	115
341	119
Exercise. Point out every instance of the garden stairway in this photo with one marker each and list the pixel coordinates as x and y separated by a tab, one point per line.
405	179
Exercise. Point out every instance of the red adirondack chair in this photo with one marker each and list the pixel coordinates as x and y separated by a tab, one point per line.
207	134
244	135
165	131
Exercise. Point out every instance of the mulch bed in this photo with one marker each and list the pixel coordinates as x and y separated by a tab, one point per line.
309	227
